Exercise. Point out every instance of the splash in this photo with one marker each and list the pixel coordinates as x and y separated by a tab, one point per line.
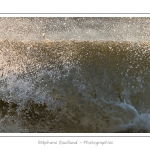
72	86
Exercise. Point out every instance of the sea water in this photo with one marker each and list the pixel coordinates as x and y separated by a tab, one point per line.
74	75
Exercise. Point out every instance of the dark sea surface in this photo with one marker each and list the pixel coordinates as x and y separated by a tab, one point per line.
74	75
